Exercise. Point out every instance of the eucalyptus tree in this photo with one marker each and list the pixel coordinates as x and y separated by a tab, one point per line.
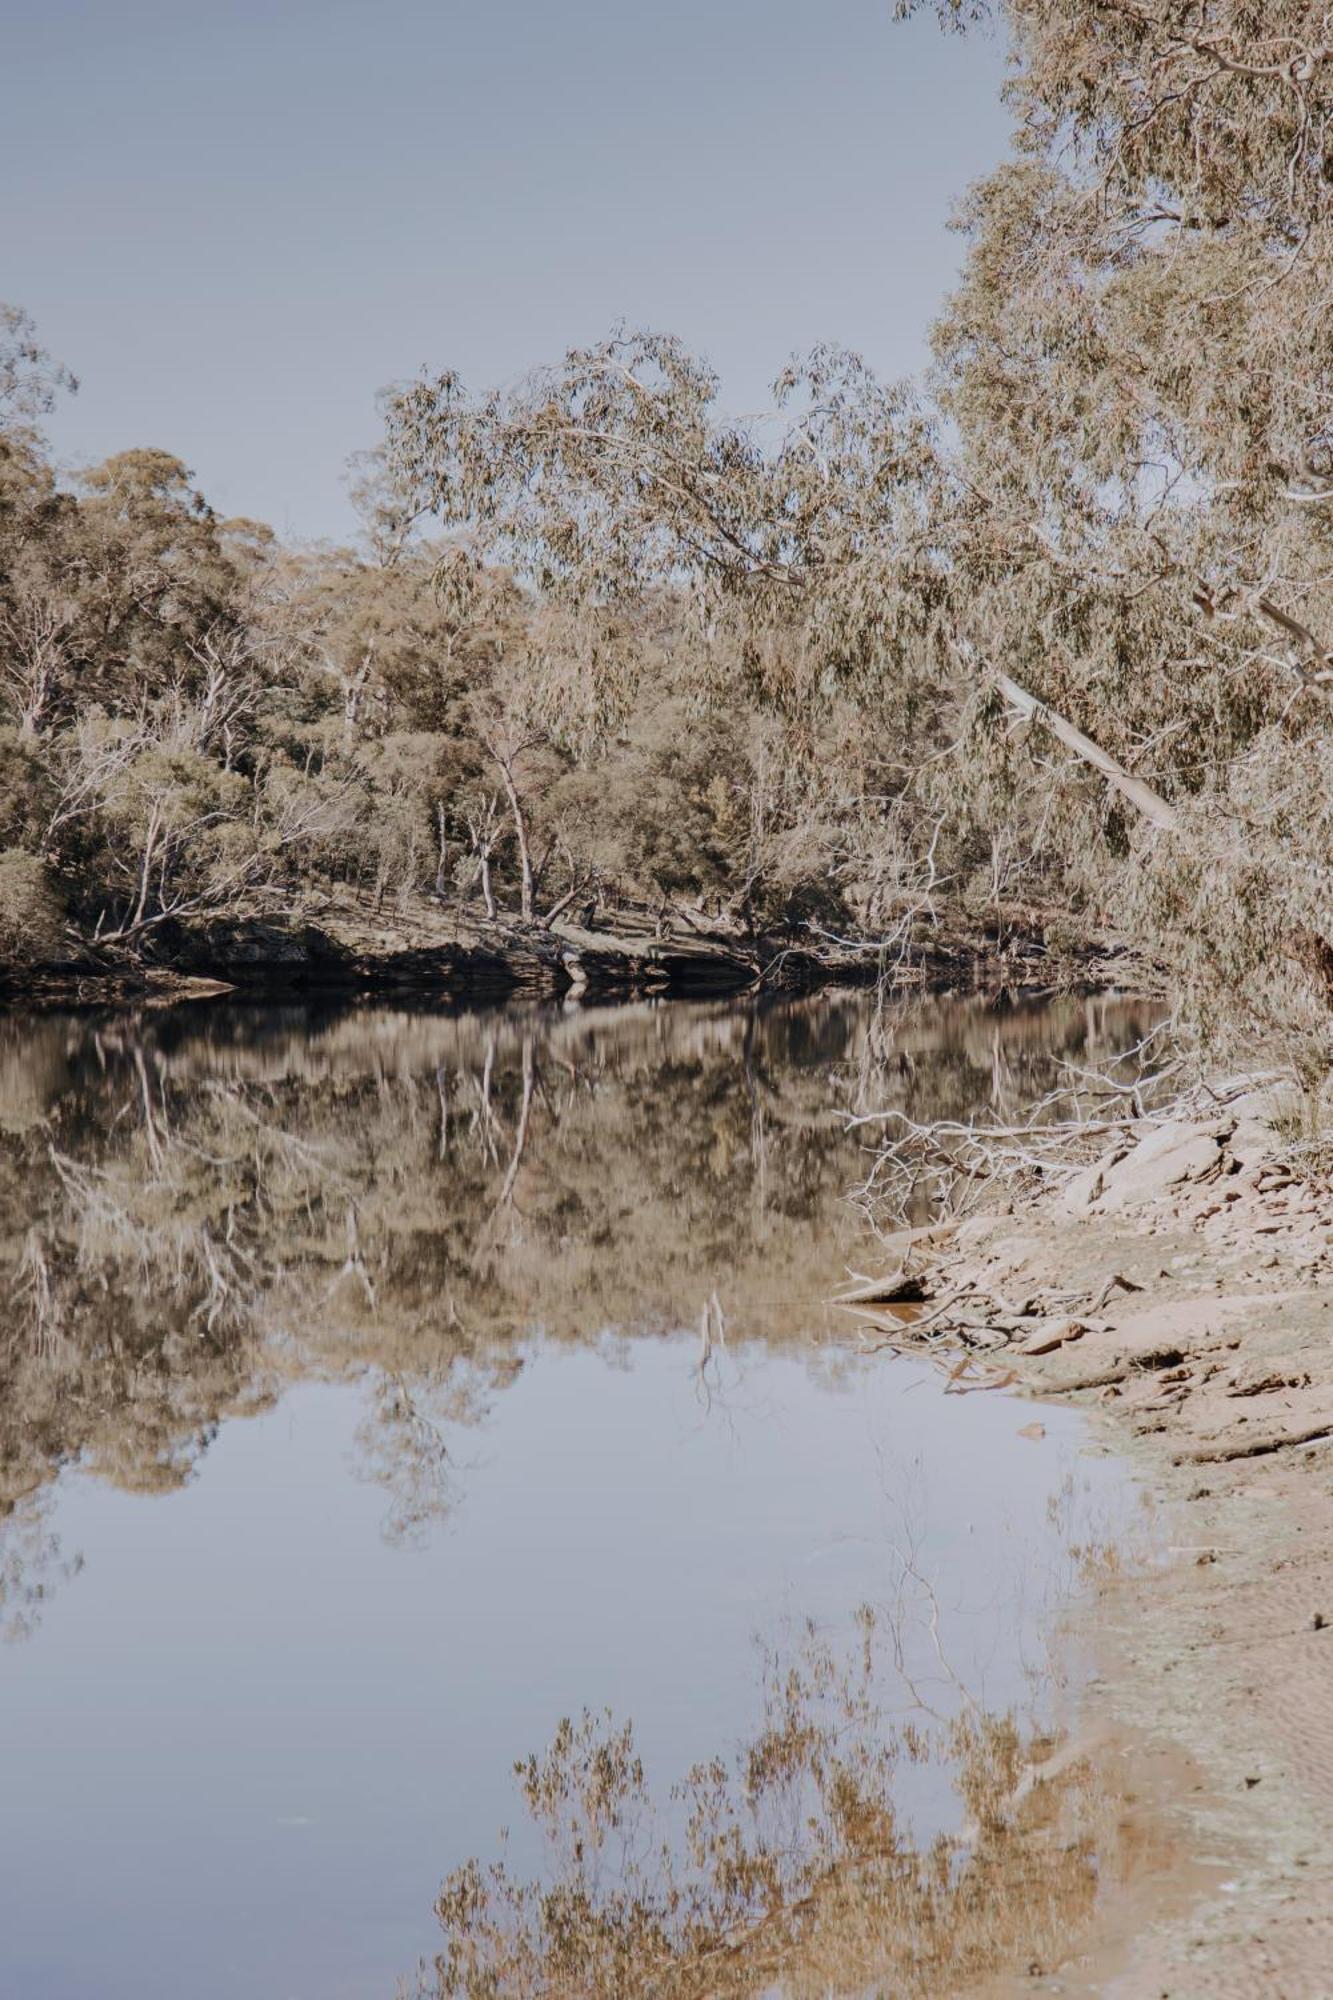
30	380
1110	507
795	557
613	475
1137	369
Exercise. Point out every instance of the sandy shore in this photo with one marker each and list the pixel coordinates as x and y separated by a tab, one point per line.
1182	1289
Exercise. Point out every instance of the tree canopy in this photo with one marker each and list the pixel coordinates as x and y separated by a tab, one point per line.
862	658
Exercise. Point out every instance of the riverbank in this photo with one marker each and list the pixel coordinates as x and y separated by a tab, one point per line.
1181	1288
427	947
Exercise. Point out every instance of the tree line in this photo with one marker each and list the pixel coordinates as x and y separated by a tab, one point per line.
861	666
197	722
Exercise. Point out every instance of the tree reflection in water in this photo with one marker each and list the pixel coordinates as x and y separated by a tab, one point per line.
785	1867
202	1205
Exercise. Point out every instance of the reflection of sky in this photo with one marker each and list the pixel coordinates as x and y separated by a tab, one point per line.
237	223
246	1743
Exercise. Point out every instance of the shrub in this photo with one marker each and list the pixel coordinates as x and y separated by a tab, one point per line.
32	911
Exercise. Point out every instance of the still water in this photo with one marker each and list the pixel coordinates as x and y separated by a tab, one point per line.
378	1387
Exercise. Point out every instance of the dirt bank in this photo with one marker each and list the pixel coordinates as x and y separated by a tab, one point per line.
1181	1288
429	947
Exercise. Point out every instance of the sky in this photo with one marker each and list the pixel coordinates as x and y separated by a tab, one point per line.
237	222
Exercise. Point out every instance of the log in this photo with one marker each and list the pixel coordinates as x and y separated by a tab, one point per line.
1263	1447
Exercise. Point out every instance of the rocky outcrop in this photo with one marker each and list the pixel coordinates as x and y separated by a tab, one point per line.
1186	1276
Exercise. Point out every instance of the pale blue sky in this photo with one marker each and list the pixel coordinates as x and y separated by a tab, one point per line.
236	220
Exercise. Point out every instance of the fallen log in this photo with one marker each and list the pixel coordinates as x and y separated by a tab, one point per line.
1227	1454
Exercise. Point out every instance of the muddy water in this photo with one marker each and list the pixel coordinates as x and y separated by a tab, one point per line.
379	1387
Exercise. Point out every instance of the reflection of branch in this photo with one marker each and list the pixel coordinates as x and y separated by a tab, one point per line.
413	1463
149	1118
521	1136
284	1142
33	1286
483	1118
506	1195
794	1866
712	1328
926	1591
442	1092
31	1564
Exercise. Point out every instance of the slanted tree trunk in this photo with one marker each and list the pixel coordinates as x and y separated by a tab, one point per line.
1150	803
519	817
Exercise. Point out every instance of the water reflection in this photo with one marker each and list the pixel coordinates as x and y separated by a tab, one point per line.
367	1232
203	1206
786	1866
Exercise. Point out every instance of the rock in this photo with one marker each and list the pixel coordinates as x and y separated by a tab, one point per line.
1259	1378
1261	1107
969	1233
1252	1142
1085	1188
1050	1334
1173	1154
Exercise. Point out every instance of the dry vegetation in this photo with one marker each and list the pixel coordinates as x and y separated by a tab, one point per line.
206	737
862	668
1108	508
1042	644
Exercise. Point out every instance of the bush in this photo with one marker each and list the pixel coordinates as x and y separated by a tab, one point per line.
32	911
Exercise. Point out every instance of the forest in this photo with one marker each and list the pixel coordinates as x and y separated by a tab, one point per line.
1037	646
743	1423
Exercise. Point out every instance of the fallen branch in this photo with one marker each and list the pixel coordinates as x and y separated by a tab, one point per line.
1226	1454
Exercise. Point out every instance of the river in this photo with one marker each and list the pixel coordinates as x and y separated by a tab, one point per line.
381	1385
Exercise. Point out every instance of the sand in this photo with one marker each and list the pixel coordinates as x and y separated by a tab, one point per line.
1181	1288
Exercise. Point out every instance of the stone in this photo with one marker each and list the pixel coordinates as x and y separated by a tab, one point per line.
1050	1334
1081	1194
1173	1154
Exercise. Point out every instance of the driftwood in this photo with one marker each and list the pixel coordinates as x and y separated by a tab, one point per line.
898	1288
896	1285
1227	1454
